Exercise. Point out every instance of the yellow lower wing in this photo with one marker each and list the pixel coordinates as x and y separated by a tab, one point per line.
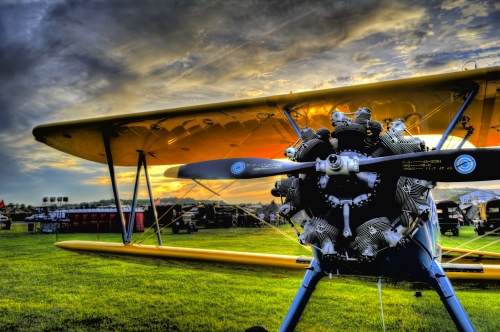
453	271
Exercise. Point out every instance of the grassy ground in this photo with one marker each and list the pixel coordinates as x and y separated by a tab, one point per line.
43	288
472	241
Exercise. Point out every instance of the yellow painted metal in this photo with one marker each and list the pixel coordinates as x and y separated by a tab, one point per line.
491	272
296	262
216	131
471	252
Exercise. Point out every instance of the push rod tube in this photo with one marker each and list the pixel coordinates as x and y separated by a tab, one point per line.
470	131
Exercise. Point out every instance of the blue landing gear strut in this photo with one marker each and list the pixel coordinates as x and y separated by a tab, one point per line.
312	277
442	285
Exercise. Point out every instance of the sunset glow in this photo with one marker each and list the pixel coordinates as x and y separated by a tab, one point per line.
64	61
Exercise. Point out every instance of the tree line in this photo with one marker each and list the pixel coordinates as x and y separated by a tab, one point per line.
106	202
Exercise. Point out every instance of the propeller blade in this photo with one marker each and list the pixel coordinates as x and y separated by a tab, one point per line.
459	165
236	168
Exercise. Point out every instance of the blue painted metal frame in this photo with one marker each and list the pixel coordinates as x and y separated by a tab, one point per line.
151	202
128	231
416	261
286	111
131	222
442	285
470	131
109	157
313	275
457	117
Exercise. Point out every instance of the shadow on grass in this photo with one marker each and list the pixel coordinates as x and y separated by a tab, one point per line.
271	272
193	264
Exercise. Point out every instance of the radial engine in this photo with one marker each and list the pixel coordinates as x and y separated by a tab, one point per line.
350	216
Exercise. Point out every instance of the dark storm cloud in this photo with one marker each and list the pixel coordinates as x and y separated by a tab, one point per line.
67	60
360	57
77	46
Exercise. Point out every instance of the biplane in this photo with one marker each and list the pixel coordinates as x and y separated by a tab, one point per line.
358	180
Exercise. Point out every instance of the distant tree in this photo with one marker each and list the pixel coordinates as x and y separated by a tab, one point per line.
455	198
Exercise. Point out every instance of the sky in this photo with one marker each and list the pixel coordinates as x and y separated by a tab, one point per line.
73	60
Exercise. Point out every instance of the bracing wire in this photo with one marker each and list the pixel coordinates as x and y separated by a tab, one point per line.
158	219
472	251
182	215
258	126
265	222
437	109
477	238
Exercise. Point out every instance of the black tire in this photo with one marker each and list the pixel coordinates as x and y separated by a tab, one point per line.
481	230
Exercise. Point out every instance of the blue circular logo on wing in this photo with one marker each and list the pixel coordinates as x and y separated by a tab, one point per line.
238	167
465	164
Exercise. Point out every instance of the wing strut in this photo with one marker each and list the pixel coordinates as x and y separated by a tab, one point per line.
286	111
150	192
127	232
457	117
109	158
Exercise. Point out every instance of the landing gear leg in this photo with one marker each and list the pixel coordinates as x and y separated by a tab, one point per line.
311	278
440	282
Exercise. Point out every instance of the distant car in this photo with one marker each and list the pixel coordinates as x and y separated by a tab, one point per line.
186	221
489	213
35	217
6	221
47	229
448	215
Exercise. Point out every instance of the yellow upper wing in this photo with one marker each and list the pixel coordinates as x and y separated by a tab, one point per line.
258	127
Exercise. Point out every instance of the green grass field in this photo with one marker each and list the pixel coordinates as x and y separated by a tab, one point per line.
44	288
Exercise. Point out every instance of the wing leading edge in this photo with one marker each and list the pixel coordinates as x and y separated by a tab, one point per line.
258	127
